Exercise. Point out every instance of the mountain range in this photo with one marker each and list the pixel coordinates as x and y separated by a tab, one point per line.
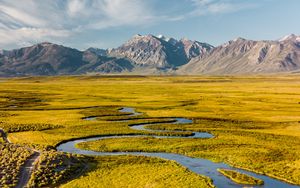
149	54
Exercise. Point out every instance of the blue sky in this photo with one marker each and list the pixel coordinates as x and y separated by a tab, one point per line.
109	23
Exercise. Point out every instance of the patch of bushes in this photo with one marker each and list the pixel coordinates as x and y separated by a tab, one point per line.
54	168
12	158
240	178
18	127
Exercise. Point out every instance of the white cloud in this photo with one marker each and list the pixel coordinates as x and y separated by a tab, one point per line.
204	7
25	36
77	8
31	21
36	20
100	14
20	16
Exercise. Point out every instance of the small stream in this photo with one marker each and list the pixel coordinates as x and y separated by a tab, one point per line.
197	165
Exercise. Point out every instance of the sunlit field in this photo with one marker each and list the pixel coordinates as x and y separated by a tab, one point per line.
129	171
255	122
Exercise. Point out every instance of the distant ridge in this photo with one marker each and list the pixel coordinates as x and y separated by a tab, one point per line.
149	54
241	56
53	59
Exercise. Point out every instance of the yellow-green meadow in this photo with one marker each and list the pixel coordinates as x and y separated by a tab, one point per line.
255	122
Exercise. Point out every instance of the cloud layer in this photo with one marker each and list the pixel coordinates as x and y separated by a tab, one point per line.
203	7
32	21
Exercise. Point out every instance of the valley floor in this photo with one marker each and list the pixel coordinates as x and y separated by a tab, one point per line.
255	121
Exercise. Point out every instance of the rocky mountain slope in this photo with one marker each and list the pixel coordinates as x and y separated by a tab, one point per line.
52	59
150	54
160	52
243	56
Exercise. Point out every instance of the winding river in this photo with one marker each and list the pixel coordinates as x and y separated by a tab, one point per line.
197	165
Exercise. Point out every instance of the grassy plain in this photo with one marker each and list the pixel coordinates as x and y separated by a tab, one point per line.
255	120
130	171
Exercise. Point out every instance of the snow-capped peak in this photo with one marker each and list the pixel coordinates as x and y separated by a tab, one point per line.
160	36
238	39
167	39
289	37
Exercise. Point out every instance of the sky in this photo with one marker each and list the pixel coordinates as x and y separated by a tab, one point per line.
109	23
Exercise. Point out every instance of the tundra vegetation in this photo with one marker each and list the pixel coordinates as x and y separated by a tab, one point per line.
255	122
53	168
138	171
12	158
240	177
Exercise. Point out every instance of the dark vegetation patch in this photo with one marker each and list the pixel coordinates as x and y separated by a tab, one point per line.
110	76
240	178
202	81
11	99
208	122
17	127
217	123
49	108
103	112
293	140
5	114
148	122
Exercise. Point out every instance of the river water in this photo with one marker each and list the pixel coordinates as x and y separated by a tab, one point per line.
200	166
